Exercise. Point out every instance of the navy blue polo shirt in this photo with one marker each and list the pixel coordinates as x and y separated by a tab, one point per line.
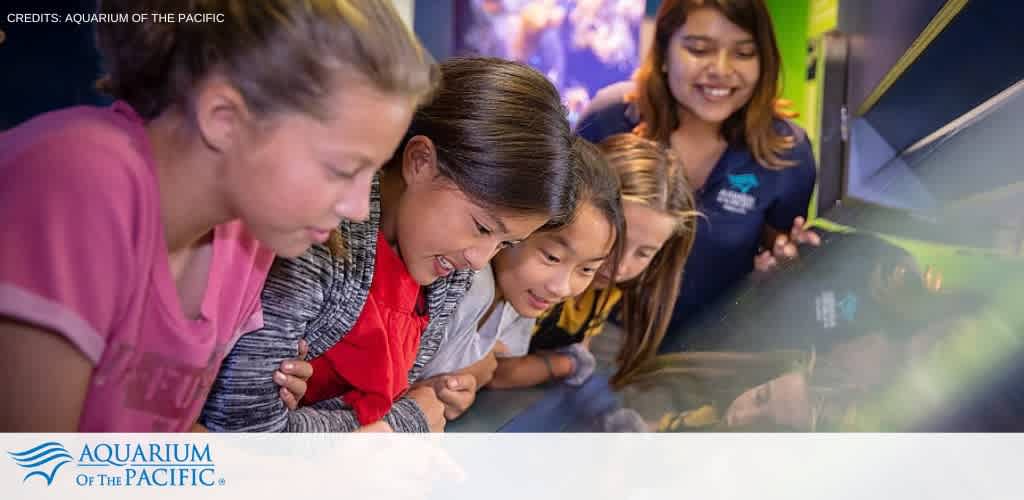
738	199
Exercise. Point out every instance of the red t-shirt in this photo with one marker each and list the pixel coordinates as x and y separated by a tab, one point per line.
369	368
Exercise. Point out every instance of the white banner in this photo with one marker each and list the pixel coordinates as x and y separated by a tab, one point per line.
511	466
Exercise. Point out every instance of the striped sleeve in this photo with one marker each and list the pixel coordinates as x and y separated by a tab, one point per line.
333	416
244	396
405	416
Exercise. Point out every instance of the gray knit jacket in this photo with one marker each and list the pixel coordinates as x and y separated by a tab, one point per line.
318	297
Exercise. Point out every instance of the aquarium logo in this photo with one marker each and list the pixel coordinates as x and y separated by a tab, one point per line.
848	307
43	460
738	200
130	465
743	182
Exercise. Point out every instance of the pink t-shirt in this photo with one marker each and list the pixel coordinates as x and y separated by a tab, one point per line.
82	253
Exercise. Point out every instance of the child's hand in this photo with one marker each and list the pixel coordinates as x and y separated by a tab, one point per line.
292	377
583	363
432	408
456	391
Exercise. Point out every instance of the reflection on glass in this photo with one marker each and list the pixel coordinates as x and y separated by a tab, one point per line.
855	336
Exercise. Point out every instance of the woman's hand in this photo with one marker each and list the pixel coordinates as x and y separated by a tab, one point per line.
784	109
785	246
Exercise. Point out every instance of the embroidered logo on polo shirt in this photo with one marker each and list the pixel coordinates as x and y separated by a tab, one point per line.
848	307
743	182
738	199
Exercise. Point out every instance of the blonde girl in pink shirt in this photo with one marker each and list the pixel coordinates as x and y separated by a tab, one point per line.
137	237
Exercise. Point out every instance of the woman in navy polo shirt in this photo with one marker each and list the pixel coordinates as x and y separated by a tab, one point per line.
707	89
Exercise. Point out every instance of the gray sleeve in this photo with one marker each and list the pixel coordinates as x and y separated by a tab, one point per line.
333	416
244	397
404	416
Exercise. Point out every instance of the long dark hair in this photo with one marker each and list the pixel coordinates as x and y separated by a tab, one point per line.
597	185
502	137
753	123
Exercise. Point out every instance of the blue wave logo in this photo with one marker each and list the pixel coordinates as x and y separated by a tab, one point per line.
743	182
46	458
848	307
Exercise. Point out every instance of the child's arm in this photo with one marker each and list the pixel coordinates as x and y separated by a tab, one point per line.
245	396
71	282
456	391
425	398
573	364
483	370
47	379
71	208
517	369
412	413
531	370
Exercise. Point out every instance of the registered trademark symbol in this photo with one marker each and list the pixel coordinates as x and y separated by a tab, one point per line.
220	481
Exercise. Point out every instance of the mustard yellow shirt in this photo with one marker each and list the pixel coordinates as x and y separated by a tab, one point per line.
579	318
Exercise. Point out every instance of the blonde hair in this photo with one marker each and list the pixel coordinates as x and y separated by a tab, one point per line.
649	174
281	55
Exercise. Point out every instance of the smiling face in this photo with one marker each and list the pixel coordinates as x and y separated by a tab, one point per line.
647	230
552	266
438	229
712	66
